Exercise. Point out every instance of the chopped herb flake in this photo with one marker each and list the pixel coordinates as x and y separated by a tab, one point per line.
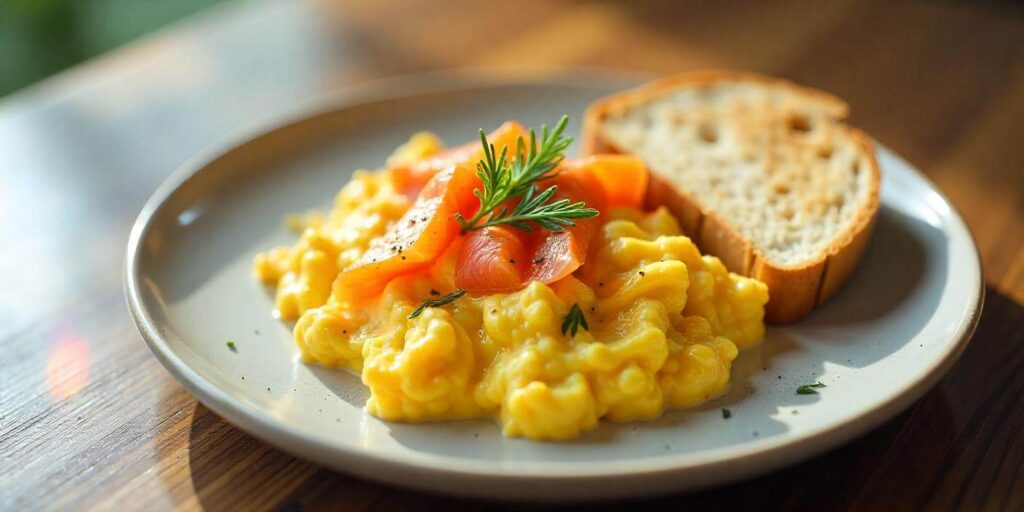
574	320
433	303
809	389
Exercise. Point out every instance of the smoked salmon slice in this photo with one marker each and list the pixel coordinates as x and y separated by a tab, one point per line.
501	259
556	255
417	239
624	178
495	259
411	177
492	260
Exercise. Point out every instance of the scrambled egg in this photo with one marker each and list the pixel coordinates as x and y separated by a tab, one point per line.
665	323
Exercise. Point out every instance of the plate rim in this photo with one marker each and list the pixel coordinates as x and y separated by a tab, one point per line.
760	455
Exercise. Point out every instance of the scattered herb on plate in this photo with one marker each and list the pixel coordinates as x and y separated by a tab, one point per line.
231	345
726	413
809	389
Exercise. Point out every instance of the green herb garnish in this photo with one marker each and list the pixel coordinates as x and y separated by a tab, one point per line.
433	303
809	389
503	179
231	345
726	413
574	320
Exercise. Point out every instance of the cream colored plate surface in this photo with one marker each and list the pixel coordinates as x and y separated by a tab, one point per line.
881	342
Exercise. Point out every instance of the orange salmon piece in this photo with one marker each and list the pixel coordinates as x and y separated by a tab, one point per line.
556	255
417	239
411	178
624	178
501	259
492	260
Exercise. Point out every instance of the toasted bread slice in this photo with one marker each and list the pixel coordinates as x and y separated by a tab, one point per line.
760	172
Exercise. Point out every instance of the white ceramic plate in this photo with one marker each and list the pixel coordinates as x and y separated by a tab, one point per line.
879	344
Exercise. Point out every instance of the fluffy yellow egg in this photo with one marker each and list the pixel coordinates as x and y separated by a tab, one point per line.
665	323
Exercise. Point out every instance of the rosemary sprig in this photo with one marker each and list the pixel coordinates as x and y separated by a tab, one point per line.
433	303
574	320
503	180
535	208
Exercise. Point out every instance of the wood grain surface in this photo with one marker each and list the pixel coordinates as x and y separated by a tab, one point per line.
90	420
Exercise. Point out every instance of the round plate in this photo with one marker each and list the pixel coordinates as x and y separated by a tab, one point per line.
879	344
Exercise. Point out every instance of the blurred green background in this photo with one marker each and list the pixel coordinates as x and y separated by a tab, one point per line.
41	37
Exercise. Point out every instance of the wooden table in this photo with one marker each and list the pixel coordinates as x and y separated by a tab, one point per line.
89	419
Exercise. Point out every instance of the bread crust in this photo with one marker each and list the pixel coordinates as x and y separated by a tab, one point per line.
794	290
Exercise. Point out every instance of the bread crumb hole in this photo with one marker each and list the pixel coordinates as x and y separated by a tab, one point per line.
708	133
855	167
799	123
781	188
825	152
